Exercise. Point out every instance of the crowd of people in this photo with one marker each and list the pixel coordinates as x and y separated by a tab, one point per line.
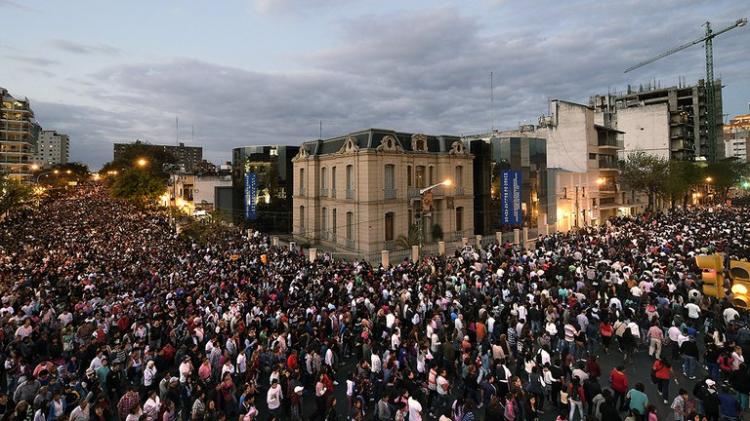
107	314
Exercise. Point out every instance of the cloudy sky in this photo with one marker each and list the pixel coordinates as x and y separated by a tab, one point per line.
244	72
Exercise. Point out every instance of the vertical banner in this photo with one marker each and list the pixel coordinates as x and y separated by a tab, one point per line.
251	193
510	199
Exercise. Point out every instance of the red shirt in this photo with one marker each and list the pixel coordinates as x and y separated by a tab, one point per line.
619	381
661	370
291	362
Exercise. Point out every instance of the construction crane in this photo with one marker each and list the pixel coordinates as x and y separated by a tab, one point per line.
709	83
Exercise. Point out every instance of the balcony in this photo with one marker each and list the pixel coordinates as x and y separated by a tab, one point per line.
333	193
301	193
413	192
323	192
608	188
349	194
389	194
459	191
607	164
350	243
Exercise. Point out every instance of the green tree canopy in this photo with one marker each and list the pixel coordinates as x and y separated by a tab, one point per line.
12	193
681	178
155	156
137	184
645	173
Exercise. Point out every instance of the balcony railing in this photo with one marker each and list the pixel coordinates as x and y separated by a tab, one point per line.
459	191
323	192
324	235
301	192
350	243
413	192
333	193
350	194
389	194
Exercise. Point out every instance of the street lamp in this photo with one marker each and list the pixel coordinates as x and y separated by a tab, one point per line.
34	167
68	172
600	181
709	179
420	221
141	162
56	172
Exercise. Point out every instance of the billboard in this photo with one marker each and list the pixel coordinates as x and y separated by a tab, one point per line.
510	198
251	194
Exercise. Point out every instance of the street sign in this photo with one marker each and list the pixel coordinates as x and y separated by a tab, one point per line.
510	197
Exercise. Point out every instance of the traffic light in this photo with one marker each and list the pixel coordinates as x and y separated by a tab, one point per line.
712	275
740	274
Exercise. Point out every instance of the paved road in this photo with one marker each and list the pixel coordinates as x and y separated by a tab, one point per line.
638	369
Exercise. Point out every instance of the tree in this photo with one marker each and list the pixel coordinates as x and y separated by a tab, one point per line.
138	185
682	177
645	173
437	232
412	239
155	156
726	174
12	193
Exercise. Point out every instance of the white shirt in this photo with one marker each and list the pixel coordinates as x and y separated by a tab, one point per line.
441	382
241	362
151	408
694	311
375	363
415	409
273	397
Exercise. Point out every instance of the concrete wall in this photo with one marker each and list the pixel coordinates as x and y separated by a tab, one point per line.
646	128
572	136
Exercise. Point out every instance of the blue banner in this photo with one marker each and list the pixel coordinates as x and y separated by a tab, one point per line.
510	198
251	194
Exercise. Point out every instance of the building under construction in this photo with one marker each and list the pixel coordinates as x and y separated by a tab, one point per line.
668	122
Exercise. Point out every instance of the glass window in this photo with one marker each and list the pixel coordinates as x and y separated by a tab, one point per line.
389	178
350	177
349	226
459	218
324	220
408	176
459	176
302	218
323	178
421	180
333	221
301	181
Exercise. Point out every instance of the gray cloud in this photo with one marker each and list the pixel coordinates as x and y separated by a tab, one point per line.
16	5
294	6
81	48
412	70
37	61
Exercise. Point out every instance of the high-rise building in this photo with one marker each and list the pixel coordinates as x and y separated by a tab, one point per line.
359	192
737	138
52	148
267	203
668	122
18	133
188	158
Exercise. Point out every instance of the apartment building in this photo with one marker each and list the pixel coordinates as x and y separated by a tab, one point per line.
52	148
18	133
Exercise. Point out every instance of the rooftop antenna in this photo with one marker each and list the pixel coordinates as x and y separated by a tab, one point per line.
177	131
492	100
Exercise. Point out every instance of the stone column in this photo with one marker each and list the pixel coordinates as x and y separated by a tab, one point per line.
516	236
385	258
525	235
414	253
313	254
478	240
275	241
499	237
441	248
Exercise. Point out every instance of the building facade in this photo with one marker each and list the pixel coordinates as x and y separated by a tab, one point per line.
268	204
196	193
18	134
583	155
519	150
188	158
737	138
52	148
669	122
359	192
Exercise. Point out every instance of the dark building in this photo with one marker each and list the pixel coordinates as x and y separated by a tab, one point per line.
189	158
272	169
499	152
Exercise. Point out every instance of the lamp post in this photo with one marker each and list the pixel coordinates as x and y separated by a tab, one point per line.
420	221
